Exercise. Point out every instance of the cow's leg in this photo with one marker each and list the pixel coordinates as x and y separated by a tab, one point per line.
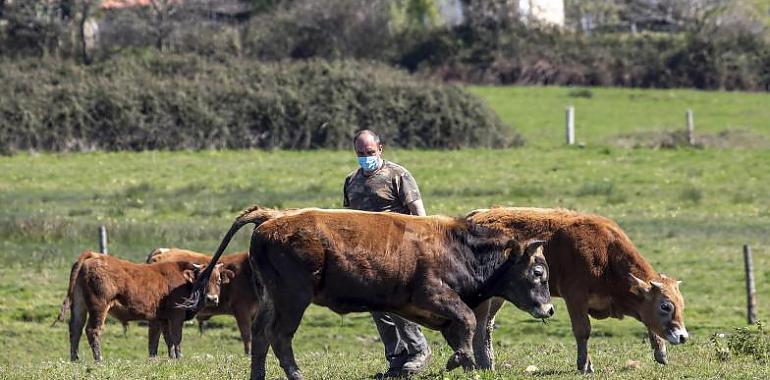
260	341
164	328
658	347
288	315
482	338
78	314
243	319
96	317
201	324
581	328
175	325
153	337
459	331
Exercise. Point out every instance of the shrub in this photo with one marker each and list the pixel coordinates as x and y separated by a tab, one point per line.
188	102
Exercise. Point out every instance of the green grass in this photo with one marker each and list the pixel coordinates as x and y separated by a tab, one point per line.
539	112
688	210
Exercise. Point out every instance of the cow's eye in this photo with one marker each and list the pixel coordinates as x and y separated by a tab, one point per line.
538	270
666	307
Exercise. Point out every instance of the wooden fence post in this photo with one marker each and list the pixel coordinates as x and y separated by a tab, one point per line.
751	312
103	239
570	125
690	128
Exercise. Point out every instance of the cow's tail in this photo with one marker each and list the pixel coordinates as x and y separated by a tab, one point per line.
254	214
71	288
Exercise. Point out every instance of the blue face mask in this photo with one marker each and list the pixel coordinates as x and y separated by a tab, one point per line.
368	163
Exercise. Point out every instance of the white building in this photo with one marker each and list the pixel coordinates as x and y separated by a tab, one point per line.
543	11
546	11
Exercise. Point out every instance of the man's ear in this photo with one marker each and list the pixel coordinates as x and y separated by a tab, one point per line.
639	286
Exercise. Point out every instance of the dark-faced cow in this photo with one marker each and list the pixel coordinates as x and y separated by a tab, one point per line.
237	298
432	270
101	284
595	267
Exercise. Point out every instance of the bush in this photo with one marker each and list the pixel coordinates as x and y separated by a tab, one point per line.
187	102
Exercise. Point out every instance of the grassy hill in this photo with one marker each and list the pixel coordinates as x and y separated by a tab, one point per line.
689	211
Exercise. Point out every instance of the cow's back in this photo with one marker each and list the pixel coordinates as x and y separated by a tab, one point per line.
584	250
343	253
138	291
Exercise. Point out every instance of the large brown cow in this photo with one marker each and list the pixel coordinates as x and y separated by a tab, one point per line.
432	270
236	298
101	284
597	270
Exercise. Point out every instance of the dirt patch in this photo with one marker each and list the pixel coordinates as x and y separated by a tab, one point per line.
728	138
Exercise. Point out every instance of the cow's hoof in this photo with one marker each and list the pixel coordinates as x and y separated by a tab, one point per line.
451	364
257	374
454	361
459	359
295	375
587	368
660	357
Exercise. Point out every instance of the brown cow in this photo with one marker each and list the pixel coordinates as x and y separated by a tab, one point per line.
101	284
432	270
237	298
597	270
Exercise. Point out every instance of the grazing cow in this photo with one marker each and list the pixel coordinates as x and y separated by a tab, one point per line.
597	270
432	270
238	298
101	284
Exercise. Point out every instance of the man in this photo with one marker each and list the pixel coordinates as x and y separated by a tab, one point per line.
379	185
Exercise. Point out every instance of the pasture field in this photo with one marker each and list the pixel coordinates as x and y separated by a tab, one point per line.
689	211
604	115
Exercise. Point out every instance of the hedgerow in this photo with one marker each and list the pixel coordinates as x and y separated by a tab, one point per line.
152	101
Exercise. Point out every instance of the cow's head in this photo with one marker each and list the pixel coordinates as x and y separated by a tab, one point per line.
219	277
525	281
662	307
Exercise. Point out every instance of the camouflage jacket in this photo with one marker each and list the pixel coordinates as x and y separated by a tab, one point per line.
390	188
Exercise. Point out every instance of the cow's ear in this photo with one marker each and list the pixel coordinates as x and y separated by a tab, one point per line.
512	250
226	275
189	275
639	286
534	247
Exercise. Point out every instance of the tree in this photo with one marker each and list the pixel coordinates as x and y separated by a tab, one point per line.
414	14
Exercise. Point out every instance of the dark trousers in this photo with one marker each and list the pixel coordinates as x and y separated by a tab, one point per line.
400	337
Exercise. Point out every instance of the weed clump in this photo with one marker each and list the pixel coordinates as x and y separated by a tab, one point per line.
751	341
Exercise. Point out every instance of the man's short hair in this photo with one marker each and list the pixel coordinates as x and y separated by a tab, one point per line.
366	132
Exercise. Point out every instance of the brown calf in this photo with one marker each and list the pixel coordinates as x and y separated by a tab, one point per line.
598	271
101	284
432	270
236	298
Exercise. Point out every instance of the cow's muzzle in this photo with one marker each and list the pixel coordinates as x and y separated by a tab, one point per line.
212	300
677	335
543	311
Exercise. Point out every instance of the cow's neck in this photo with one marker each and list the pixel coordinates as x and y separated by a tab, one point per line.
480	252
625	301
488	265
